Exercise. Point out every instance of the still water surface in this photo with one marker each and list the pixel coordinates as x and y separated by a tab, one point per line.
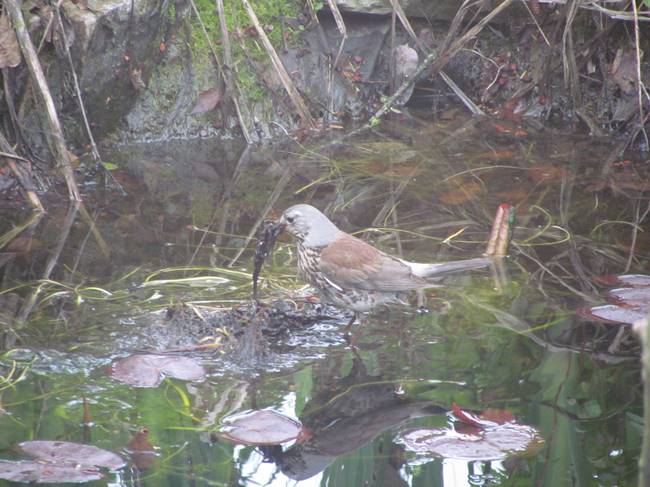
491	340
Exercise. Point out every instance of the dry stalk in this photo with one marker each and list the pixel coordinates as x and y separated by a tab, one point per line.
340	25
54	130
17	165
435	62
296	99
213	51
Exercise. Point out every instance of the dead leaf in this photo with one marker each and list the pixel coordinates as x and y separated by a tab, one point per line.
263	427
473	443
207	100
149	370
78	453
9	49
39	472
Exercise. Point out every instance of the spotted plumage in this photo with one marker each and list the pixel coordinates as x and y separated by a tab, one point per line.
351	274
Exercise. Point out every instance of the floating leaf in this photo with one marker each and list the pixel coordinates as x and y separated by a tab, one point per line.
488	418
207	101
149	370
78	453
45	472
612	313
495	443
631	280
262	427
636	297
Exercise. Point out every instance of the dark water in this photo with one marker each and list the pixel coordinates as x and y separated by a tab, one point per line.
505	339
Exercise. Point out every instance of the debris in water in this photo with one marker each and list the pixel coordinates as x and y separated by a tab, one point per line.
263	427
266	237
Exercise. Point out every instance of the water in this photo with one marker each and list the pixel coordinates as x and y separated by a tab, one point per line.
508	339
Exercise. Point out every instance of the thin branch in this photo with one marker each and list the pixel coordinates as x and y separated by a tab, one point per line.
294	95
435	63
55	133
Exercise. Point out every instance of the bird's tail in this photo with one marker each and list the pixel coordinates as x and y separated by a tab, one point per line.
432	271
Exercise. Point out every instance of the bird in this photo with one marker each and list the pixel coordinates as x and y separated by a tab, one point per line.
352	274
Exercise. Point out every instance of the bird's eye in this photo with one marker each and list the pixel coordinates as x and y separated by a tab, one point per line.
290	219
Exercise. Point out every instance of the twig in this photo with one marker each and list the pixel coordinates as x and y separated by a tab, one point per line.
296	99
436	62
637	59
235	101
467	101
53	259
55	132
22	174
94	151
231	83
340	25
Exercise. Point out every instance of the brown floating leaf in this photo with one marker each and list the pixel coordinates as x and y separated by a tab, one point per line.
495	443
611	313
631	280
489	418
9	50
263	427
149	370
207	101
45	472
635	297
77	453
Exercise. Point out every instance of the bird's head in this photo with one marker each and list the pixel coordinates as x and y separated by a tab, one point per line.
308	225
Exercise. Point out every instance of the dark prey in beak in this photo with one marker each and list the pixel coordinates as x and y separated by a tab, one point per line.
266	236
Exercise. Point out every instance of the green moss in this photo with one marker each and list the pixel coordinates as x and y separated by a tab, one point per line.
269	13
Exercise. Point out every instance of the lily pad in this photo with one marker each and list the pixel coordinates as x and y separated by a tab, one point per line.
494	443
631	280
263	427
488	418
76	453
612	313
45	472
630	296
149	370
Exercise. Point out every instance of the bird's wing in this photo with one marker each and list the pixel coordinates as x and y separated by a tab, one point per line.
351	263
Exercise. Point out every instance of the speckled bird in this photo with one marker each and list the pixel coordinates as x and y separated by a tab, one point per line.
351	274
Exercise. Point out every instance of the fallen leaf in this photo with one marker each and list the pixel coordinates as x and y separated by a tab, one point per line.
149	370
495	443
207	100
78	453
631	280
631	297
262	427
611	313
39	472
